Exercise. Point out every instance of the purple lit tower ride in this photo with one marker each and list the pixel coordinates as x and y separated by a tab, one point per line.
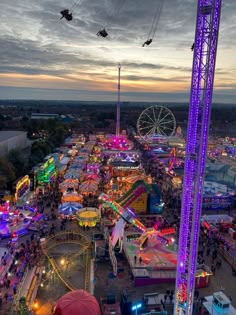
118	105
206	38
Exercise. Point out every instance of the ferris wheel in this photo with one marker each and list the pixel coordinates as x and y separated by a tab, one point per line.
156	120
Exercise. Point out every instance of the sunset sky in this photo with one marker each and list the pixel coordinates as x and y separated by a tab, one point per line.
43	57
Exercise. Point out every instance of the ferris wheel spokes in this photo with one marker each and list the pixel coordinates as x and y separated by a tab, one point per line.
156	120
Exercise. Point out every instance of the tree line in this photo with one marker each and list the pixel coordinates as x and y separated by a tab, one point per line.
20	161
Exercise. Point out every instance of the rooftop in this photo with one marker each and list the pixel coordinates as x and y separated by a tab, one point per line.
6	135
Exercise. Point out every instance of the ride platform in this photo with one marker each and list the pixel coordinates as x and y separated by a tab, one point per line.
157	264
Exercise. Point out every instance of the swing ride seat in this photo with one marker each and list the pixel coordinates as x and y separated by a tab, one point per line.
148	42
102	33
65	14
69	17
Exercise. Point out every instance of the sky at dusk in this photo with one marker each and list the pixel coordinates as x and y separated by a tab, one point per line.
43	57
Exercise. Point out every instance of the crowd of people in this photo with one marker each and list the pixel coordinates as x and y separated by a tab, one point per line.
18	259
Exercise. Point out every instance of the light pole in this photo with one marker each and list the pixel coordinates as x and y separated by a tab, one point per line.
135	307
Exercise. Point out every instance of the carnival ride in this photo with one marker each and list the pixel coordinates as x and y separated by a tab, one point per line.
88	217
70	10
118	104
137	197
116	8
174	161
127	215
119	143
204	59
153	29
14	222
156	120
80	252
69	208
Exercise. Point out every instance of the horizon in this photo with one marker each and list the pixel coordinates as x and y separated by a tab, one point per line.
105	96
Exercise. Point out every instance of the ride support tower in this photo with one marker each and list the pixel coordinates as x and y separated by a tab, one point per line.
205	48
118	104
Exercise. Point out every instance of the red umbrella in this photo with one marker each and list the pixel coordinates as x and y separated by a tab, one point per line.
78	302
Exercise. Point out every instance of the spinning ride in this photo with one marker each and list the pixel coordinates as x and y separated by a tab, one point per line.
127	215
156	120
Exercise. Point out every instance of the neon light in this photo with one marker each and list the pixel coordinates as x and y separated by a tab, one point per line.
22	187
206	38
46	171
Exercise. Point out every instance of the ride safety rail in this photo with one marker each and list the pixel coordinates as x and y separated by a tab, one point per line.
71	237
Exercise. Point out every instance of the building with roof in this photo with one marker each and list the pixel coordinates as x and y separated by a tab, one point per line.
43	116
11	139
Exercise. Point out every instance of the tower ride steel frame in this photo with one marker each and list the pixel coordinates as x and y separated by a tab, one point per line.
118	104
206	38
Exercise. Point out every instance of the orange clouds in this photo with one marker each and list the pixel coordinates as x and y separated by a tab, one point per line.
90	81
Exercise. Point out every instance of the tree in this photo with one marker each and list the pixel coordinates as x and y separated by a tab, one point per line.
42	146
19	160
7	172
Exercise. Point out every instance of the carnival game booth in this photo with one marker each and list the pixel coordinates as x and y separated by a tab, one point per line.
22	188
73	173
88	217
94	177
125	168
223	229
217	196
69	184
213	224
228	248
88	187
71	197
45	173
203	276
93	168
61	169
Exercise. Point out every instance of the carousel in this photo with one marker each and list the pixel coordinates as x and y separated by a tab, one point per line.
71	183
69	208
88	217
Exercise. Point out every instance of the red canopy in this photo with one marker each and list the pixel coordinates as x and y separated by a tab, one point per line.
78	302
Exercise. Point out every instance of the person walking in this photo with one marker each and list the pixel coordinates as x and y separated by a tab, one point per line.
6	296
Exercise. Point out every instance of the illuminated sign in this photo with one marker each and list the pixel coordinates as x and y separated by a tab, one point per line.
22	187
